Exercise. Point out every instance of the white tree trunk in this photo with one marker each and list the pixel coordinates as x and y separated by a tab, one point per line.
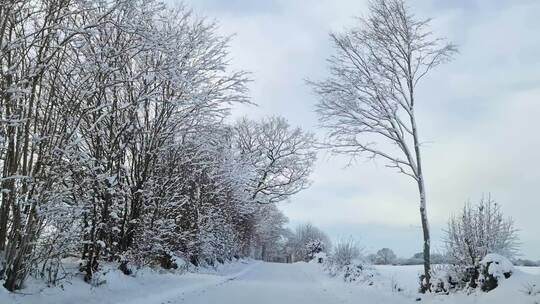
425	285
425	230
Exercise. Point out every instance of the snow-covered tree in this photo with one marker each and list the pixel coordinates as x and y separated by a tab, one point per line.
282	157
368	104
385	256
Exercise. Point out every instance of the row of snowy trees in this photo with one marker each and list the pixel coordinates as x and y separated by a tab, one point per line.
114	146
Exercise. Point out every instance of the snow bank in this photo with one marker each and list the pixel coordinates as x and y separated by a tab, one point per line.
494	269
521	287
397	284
143	287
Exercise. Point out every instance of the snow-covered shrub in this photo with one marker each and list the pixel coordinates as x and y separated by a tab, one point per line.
472	237
480	230
356	271
486	275
359	272
345	253
440	279
181	263
124	267
307	241
347	262
313	248
494	268
447	278
320	258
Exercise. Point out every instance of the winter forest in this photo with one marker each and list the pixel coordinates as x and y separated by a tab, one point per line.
130	174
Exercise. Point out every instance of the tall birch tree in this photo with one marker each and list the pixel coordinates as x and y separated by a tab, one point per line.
368	104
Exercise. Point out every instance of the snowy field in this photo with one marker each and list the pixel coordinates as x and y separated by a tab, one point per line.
530	270
249	282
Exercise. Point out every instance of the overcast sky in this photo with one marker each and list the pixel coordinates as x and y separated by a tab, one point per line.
478	116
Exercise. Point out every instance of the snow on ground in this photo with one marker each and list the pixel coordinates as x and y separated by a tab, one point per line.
529	270
511	291
406	277
250	282
146	287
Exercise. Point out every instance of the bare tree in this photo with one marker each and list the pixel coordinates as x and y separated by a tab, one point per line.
282	157
478	231
368	103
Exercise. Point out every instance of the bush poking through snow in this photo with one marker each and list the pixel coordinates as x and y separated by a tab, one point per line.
167	262
470	237
313	248
320	258
494	268
448	278
487	275
307	241
394	285
346	261
359	272
531	289
441	280
125	268
345	253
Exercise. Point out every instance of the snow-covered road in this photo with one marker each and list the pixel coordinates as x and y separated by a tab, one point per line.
267	283
253	282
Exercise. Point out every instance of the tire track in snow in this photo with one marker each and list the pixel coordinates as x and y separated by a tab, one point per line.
200	290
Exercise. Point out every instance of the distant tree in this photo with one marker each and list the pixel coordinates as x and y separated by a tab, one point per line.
385	256
372	258
368	105
478	231
526	263
436	258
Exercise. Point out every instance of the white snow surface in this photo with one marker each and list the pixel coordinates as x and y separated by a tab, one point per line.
248	282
